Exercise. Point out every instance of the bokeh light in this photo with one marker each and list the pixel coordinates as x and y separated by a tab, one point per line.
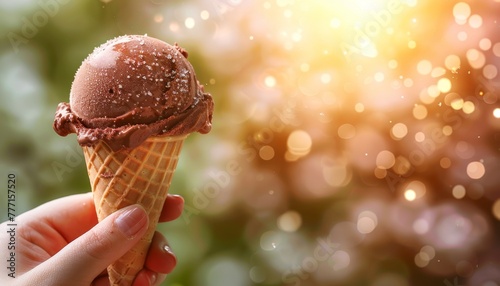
475	170
367	222
290	221
299	143
399	131
459	191
410	195
496	209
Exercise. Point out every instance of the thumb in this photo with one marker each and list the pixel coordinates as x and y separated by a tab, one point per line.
82	260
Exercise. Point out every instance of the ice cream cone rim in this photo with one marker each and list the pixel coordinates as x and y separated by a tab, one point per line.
168	138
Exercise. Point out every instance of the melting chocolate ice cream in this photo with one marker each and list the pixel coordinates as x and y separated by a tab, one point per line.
131	88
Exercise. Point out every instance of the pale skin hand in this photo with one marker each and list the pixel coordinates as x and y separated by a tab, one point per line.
61	243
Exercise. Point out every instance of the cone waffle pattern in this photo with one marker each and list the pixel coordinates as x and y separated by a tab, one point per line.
119	179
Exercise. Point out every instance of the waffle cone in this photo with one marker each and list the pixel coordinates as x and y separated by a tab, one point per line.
138	176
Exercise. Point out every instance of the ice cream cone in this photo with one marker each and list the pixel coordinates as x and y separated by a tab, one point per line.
132	103
141	175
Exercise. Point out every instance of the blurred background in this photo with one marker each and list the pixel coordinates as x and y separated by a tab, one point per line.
353	142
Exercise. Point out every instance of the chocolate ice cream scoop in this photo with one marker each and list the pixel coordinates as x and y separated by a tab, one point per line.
131	88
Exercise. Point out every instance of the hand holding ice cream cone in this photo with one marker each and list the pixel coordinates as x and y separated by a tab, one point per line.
132	103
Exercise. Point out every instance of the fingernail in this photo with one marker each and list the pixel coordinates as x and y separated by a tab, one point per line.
170	260
131	221
173	258
168	249
153	279
178	197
